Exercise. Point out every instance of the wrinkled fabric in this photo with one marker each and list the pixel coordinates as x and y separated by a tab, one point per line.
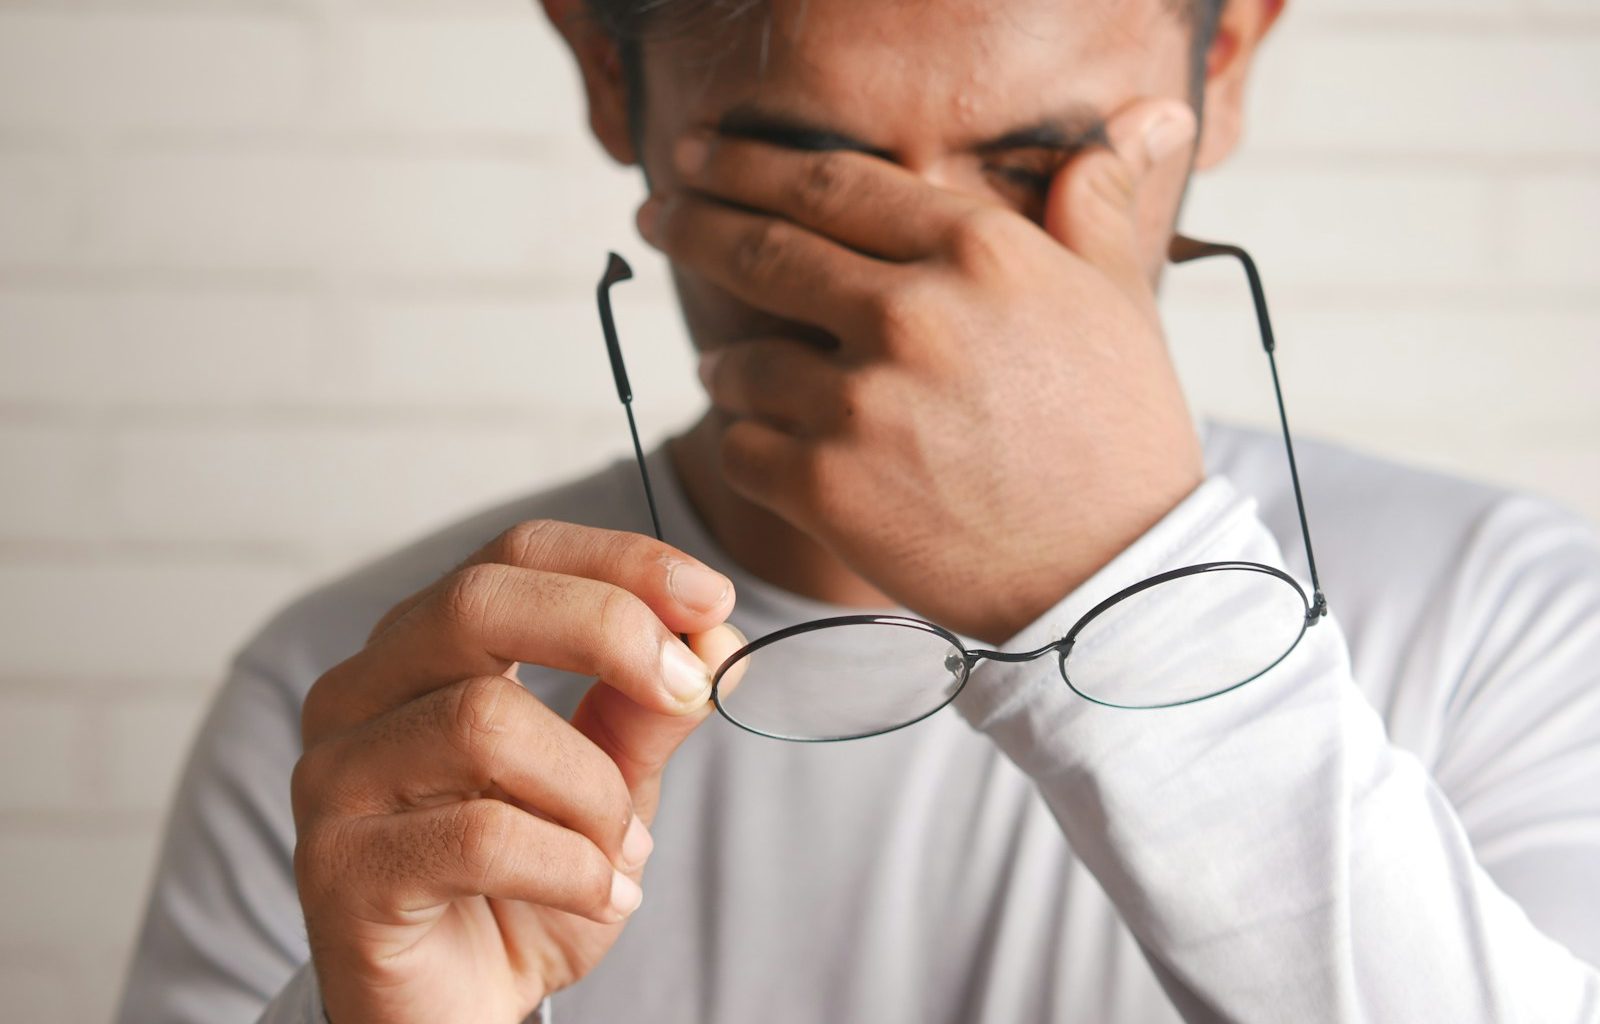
1399	822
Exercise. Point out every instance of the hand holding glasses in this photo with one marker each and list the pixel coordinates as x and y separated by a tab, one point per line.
853	676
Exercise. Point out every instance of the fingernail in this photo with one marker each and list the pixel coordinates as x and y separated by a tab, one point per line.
636	844
690	154
648	217
625	894
708	366
1168	133
684	675
697	587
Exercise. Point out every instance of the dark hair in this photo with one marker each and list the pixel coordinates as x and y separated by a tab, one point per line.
630	22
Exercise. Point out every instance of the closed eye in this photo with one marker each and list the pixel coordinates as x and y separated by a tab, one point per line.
1034	181
1034	168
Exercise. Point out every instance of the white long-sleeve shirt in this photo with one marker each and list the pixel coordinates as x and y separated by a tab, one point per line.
1400	822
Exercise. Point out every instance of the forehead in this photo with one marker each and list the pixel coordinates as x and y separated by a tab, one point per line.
870	67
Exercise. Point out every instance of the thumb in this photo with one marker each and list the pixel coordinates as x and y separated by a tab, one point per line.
1092	207
640	740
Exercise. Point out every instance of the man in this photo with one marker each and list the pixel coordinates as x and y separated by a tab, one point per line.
918	245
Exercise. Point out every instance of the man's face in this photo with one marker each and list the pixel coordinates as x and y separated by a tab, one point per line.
926	84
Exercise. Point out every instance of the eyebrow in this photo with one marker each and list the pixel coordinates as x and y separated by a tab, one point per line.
1075	128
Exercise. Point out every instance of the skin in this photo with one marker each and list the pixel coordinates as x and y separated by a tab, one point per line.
854	481
937	378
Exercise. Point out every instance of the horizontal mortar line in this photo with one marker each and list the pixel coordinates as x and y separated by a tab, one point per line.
316	10
297	139
85	822
99	689
266	279
1312	299
359	137
1521	435
566	286
38	954
302	417
86	10
331	282
34	140
536	281
1521	22
131	551
1523	163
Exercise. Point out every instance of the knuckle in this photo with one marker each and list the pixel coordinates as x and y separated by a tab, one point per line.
1113	185
847	396
331	703
621	614
818	190
629	636
315	709
759	252
606	790
469	593
639	557
601	777
592	879
619	800
477	718
308	858
309	781
320	854
978	239
480	832
762	367
388	619
525	543
902	313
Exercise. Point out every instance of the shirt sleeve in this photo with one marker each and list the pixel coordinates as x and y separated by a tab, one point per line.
223	938
1276	856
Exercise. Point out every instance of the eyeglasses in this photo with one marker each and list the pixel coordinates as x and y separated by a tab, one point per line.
854	676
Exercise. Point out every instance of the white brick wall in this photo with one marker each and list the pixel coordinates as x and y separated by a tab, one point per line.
283	282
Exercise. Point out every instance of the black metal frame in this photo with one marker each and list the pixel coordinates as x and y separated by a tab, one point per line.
1182	250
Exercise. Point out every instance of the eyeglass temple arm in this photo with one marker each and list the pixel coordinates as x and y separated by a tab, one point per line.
1184	249
617	269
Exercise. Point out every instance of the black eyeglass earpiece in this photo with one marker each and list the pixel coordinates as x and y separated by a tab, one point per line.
617	269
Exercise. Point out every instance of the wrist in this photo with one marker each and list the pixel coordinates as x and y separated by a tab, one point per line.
1060	567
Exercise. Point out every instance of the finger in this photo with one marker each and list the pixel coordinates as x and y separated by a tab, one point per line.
487	617
687	594
775	470
790	384
770	263
401	865
640	741
479	736
1092	207
871	205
